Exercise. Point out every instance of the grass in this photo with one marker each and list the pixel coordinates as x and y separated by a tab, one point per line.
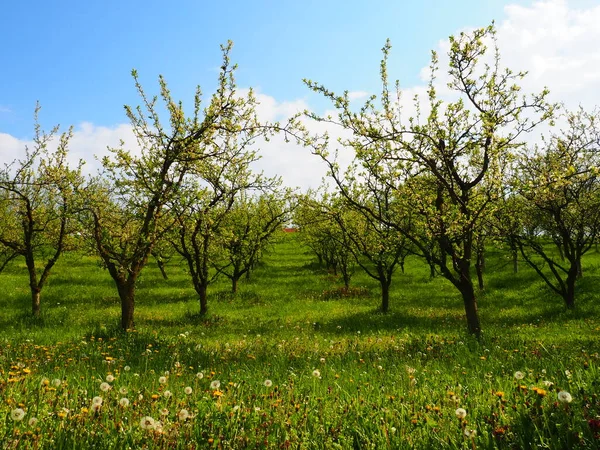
341	374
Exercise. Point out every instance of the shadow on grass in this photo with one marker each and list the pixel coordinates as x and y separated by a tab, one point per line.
375	321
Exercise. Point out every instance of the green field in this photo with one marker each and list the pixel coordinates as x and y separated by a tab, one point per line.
289	362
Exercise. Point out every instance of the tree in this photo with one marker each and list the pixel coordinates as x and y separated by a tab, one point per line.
246	231
127	212
560	185
461	147
37	203
208	195
321	233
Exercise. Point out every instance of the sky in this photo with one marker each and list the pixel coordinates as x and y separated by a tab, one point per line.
75	58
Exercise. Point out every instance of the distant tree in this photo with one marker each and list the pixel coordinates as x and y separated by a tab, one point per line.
560	185
247	230
321	233
461	146
37	206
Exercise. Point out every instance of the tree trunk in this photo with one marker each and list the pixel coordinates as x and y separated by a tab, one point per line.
33	285
515	259
234	284
570	292
431	270
127	295
35	302
579	269
201	290
385	295
479	269
470	302
161	266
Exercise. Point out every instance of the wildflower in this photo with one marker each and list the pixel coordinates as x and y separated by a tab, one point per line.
499	394
96	407
124	402
519	375
126	368
540	392
56	382
316	373
33	422
162	380
215	384
123	390
188	390
164	412
470	433
183	415
44	382
17	414
97	400
564	397
268	383
167	394
568	374
147	423
548	383
105	387
460	413
110	378
199	375
322	360
236	407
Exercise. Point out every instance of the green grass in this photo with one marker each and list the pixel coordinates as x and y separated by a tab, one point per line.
384	380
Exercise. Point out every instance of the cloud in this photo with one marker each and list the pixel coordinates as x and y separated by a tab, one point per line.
357	95
5	109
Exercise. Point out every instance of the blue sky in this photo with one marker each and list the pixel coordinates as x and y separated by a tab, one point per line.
75	57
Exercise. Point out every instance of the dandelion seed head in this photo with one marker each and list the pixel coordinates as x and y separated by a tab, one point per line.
124	402
147	423
110	378
188	390
519	375
268	383
183	415
199	375
564	397
97	400
162	380
167	394
33	422
215	384
17	414
316	373
461	413
105	387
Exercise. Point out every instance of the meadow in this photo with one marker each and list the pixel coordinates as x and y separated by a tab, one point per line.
292	361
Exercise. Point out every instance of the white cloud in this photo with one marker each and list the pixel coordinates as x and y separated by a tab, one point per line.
357	95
